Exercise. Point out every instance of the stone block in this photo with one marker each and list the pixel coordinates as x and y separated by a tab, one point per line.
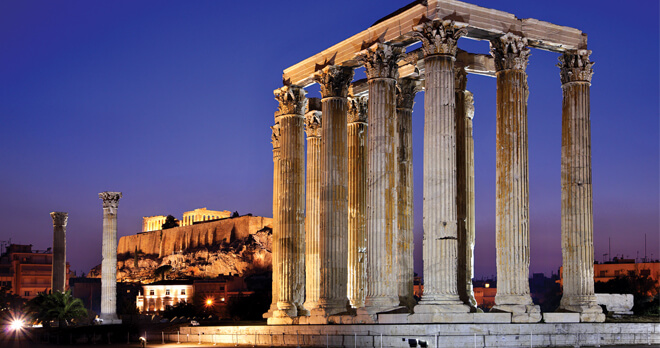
616	302
561	317
419	318
492	317
393	318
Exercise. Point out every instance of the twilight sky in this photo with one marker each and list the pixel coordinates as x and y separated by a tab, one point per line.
171	102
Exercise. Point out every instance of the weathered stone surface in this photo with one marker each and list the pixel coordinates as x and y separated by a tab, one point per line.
561	317
617	303
313	211
109	253
58	278
275	140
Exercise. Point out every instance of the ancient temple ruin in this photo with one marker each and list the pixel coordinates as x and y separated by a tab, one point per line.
343	234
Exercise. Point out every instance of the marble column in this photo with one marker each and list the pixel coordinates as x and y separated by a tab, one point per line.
380	62
405	99
333	233
109	254
58	279
291	206
357	200
439	39
464	188
576	190
512	180
313	212
276	280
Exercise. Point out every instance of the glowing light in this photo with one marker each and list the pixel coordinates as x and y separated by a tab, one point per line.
487	285
209	302
17	324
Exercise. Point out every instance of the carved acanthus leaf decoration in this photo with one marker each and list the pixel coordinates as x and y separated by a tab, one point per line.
439	36
380	60
510	52
110	201
291	100
405	92
313	123
275	136
59	218
358	109
575	66
334	80
469	104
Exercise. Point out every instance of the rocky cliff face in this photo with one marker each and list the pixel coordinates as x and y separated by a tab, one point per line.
240	246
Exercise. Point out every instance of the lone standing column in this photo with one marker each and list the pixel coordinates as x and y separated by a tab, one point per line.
512	187
380	61
576	190
405	99
313	213
465	188
357	200
109	254
333	234
58	281
439	39
291	216
275	290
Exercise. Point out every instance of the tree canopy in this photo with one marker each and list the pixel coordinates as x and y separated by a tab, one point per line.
170	222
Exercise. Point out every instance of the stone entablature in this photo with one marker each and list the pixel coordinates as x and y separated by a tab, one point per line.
155	223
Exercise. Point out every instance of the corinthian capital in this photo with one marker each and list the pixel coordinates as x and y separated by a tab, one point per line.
439	36
358	108
334	80
292	100
313	123
510	52
275	136
575	66
59	218
110	201
380	60
469	104
405	92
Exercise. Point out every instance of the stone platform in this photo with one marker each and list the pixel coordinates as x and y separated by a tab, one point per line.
435	335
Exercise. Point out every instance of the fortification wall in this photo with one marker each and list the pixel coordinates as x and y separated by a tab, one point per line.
167	242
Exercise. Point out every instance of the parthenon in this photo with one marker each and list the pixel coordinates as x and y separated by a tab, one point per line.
343	233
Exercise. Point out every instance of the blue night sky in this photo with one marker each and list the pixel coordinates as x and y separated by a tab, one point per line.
171	102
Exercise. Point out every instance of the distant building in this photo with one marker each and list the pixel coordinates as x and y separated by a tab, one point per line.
484	293
154	223
609	270
27	272
157	296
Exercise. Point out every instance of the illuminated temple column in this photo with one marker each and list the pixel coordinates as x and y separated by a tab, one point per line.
405	99
313	213
512	180
333	233
464	188
275	290
380	62
576	190
109	254
357	200
291	206
58	279
439	39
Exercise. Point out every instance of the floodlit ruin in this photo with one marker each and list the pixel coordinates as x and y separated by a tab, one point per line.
343	233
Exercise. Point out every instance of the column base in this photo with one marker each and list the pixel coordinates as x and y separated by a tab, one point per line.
310	305
586	306
441	304
328	308
520	313
373	305
109	319
408	302
269	314
285	309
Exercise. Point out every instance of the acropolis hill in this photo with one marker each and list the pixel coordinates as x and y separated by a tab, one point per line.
233	245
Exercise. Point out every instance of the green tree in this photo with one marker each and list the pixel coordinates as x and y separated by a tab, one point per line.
170	222
60	306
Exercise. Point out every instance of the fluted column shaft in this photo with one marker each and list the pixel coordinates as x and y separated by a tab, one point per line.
512	180
380	62
357	200
576	193
406	90
464	188
291	192
58	279
276	280
109	255
313	213
333	234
